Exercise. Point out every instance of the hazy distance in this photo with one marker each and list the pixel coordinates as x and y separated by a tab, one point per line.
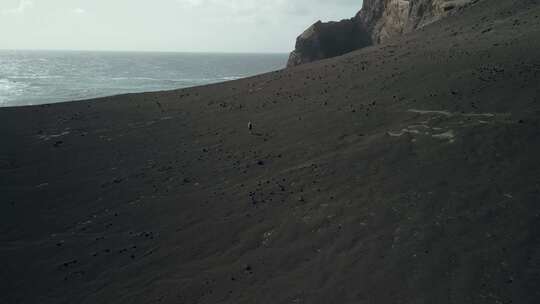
163	25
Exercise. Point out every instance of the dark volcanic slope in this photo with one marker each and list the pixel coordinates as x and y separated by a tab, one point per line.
403	173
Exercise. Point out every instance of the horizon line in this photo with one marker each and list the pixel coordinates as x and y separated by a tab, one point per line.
142	51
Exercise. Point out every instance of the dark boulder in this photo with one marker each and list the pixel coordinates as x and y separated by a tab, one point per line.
325	40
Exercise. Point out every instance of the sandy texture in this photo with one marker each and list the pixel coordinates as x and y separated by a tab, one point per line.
169	198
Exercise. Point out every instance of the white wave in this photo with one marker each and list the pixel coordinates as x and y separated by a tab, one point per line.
5	84
10	88
135	78
15	77
232	77
225	78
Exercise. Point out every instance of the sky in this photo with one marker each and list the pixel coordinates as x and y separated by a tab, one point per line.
260	26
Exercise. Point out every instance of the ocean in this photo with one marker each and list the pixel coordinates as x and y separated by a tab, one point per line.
40	77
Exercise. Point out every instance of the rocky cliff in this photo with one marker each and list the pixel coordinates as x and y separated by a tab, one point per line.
325	40
377	21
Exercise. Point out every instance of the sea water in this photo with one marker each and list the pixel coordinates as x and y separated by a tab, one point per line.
39	77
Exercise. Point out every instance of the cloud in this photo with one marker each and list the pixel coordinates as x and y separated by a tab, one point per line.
23	6
79	11
261	7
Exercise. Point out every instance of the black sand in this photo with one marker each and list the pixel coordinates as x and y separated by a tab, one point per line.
403	173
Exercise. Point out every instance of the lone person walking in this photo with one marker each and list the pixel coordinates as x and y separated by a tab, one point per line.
250	127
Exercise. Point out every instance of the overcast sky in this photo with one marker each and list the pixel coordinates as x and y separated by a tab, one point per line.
164	25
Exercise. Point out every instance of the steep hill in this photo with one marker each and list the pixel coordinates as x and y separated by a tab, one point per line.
406	172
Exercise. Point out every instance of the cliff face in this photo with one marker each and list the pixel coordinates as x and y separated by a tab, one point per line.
377	21
325	40
389	18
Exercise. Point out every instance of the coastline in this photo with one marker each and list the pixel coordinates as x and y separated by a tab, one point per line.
41	77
